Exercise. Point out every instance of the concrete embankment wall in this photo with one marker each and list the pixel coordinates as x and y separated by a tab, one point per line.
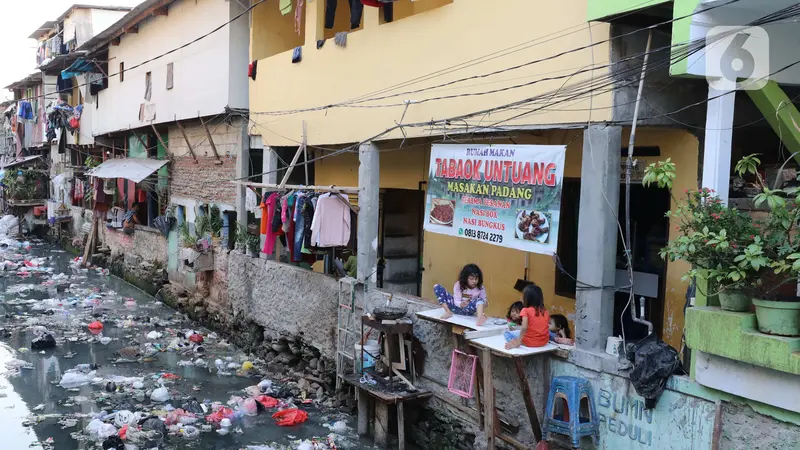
289	303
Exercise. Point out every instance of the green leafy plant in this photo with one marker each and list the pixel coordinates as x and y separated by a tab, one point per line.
91	162
187	238
215	221
728	246
245	240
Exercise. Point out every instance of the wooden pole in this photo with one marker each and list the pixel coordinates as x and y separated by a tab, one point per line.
488	393
526	396
158	135
305	150
89	242
291	166
210	141
401	427
717	433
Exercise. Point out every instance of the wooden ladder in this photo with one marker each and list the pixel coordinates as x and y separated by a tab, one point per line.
346	328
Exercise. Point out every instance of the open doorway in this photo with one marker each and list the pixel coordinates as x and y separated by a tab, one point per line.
649	234
400	246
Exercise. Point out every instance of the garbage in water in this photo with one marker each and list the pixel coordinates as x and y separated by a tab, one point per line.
151	377
44	341
290	417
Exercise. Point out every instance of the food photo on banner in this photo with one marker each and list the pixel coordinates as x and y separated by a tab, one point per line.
507	195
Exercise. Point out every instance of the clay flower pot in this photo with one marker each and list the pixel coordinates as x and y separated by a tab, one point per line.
735	301
779	318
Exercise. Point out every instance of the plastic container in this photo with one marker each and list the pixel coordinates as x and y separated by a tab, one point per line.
371	351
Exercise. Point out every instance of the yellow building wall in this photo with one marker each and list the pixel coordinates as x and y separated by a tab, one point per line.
443	256
437	39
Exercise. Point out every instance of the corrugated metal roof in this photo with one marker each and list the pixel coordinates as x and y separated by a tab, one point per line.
43	29
134	169
22	161
32	79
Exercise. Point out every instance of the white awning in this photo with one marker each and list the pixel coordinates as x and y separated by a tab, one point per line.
134	169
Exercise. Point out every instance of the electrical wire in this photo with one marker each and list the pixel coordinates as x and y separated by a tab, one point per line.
489	74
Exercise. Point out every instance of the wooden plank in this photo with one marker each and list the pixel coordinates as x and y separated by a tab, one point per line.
478	384
488	392
512	442
144	144
401	427
385	396
89	242
160	139
291	167
717	434
186	138
381	424
210	141
526	396
363	412
305	150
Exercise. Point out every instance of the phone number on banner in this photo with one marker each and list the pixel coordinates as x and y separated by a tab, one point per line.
481	235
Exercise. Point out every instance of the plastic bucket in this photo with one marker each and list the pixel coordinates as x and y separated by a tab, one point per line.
371	351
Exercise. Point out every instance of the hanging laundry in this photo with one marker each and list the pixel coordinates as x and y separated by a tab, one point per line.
340	39
299	221
264	215
331	223
252	69
356	12
298	18
297	55
388	8
308	218
285	6
250	201
25	110
269	242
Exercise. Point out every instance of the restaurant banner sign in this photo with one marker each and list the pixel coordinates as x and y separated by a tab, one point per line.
507	195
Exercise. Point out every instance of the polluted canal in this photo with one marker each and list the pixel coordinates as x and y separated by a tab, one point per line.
91	362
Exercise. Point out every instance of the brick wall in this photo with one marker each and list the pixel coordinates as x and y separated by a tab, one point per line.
205	180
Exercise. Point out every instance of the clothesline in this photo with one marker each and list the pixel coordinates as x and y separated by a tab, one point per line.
298	187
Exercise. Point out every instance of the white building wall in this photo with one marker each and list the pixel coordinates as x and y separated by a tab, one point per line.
103	18
239	32
201	77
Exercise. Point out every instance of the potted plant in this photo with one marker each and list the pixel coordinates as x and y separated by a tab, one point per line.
746	258
246	242
776	304
713	239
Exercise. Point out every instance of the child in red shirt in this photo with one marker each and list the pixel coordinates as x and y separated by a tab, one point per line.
535	331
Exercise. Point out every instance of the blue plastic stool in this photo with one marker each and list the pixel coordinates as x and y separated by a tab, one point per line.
571	410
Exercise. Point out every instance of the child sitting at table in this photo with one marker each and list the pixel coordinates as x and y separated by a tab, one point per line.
469	295
535	330
513	317
559	330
